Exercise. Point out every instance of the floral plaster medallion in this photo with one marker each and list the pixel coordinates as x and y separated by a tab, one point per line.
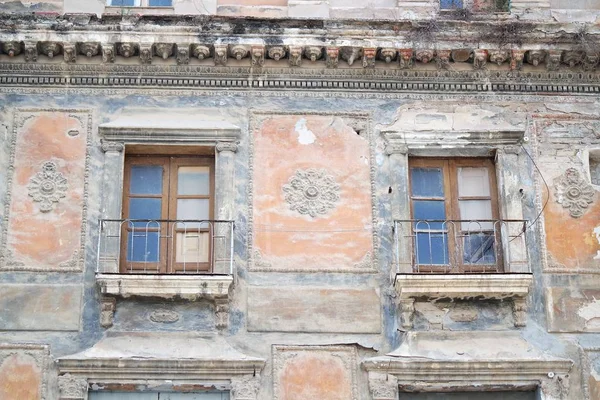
574	193
48	186
311	192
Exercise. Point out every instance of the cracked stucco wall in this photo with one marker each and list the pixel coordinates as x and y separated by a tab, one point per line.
547	300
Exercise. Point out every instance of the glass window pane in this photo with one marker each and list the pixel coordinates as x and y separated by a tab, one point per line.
428	210
143	246
192	209
143	208
479	248
427	182
432	248
473	182
146	179
193	181
160	3
474	210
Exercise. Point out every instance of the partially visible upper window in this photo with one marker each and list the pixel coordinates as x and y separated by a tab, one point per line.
475	5
140	3
455	215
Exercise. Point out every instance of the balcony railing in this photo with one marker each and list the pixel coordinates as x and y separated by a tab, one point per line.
140	246
461	246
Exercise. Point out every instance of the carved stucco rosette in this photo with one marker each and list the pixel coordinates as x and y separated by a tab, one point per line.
48	186
311	192
574	193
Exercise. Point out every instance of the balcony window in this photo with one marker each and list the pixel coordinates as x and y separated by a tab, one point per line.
455	226
167	222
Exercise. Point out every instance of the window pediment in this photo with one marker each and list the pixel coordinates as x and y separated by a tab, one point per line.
154	126
454	361
164	359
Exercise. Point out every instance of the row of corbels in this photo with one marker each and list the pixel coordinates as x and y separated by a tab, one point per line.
220	53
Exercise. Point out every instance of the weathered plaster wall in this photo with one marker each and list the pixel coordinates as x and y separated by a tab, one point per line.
250	329
580	10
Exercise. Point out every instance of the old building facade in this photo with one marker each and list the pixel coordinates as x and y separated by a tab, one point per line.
299	200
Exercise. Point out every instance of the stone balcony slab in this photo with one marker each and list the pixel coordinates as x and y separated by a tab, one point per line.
212	287
463	286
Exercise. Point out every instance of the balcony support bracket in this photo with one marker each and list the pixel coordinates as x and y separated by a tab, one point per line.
515	287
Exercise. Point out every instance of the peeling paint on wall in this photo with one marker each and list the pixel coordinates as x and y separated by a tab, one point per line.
305	135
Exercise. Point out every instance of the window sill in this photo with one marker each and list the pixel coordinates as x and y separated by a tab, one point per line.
165	286
463	286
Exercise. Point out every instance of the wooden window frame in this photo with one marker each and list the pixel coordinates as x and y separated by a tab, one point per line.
449	167
167	258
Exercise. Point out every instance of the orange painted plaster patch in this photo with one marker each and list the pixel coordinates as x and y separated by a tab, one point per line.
571	241
342	236
39	238
20	379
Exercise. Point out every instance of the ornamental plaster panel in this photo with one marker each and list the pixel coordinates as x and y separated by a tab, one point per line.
574	193
31	363
62	184
326	372
311	193
552	139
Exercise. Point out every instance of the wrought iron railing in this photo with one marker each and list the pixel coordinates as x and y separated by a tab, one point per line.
165	246
461	246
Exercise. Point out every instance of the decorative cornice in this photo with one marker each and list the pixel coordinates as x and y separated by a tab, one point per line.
193	77
375	43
